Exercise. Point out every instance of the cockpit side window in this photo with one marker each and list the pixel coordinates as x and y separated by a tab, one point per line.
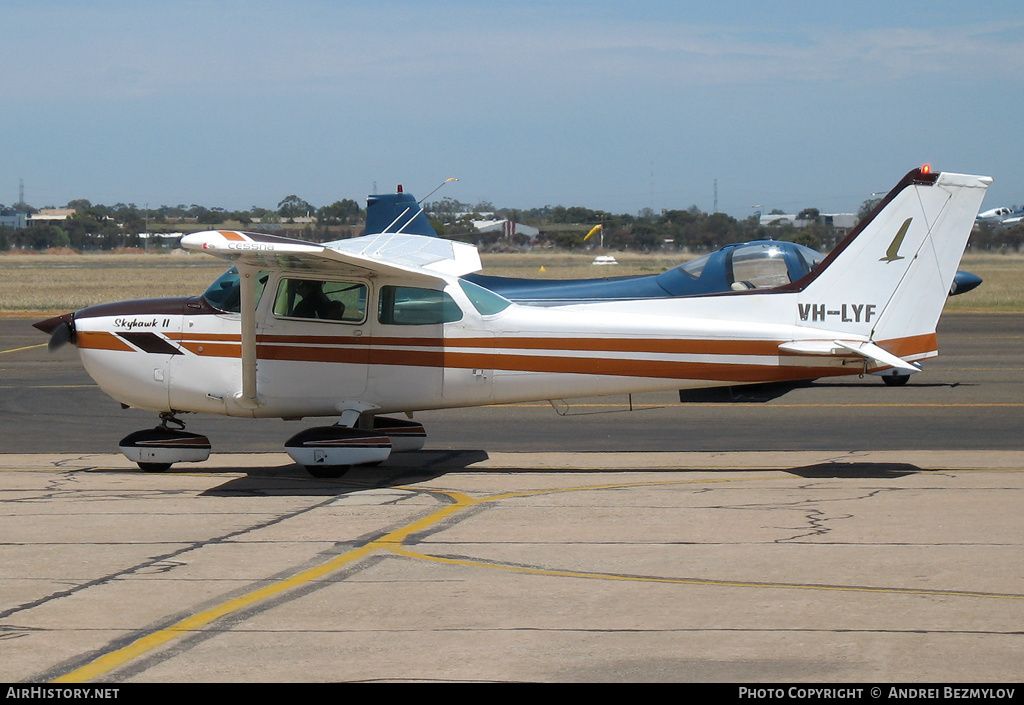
324	300
225	293
412	306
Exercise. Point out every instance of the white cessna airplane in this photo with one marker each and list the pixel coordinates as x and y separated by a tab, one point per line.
385	324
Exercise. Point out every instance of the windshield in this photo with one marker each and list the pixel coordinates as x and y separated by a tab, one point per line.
225	294
695	267
758	266
809	259
486	301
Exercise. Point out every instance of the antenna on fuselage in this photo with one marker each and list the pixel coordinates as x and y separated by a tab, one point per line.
435	190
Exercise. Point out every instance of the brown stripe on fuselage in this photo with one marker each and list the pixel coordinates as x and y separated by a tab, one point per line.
337	354
665	346
898	346
615	367
205	337
214	349
506	354
143	307
149	342
913	345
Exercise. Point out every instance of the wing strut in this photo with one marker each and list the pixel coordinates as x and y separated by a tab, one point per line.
248	398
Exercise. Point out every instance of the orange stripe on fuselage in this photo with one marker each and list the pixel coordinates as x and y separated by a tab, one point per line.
214	349
507	354
204	337
914	345
101	340
614	345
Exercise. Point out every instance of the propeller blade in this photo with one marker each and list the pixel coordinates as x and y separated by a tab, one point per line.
61	335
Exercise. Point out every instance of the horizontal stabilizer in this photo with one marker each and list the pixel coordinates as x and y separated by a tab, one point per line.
843	348
883	357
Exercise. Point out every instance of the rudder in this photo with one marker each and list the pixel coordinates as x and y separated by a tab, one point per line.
889	279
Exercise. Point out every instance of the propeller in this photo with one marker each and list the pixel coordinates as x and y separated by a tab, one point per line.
61	330
61	335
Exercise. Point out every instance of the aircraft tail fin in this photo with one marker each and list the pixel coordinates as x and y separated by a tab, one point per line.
396	212
889	279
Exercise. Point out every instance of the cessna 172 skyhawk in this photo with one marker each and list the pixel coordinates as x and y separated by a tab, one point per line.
387	323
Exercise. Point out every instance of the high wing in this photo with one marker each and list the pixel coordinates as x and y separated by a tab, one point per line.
414	257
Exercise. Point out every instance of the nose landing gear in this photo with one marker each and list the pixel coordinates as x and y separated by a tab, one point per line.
156	449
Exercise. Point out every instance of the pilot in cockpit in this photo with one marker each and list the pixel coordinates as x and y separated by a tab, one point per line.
315	303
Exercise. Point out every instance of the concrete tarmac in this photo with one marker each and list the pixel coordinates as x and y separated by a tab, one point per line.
702	567
876	552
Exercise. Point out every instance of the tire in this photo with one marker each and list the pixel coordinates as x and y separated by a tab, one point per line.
895	380
327	471
154	467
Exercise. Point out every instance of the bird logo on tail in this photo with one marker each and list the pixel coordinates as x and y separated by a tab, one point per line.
893	253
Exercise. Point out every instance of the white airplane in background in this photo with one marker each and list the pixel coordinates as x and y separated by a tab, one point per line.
1001	216
386	324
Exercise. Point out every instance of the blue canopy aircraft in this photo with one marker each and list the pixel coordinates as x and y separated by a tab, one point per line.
760	264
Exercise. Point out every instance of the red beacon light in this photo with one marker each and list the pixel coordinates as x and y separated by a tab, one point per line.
926	169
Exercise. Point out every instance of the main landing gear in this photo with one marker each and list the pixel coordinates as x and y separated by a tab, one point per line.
894	378
329	451
325	451
156	449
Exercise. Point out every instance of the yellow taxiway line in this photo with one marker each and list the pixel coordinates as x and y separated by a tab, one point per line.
394	542
27	347
115	659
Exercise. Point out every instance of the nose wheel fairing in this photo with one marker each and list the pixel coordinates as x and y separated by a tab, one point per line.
156	449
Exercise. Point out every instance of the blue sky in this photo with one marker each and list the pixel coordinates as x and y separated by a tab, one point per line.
611	105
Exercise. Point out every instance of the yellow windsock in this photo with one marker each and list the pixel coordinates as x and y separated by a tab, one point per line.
592	231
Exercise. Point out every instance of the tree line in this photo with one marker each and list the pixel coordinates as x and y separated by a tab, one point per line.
99	227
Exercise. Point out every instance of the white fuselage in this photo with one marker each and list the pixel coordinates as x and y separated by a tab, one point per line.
154	358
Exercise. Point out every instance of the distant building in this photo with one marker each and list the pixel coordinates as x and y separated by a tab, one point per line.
10	218
844	221
840	221
50	215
